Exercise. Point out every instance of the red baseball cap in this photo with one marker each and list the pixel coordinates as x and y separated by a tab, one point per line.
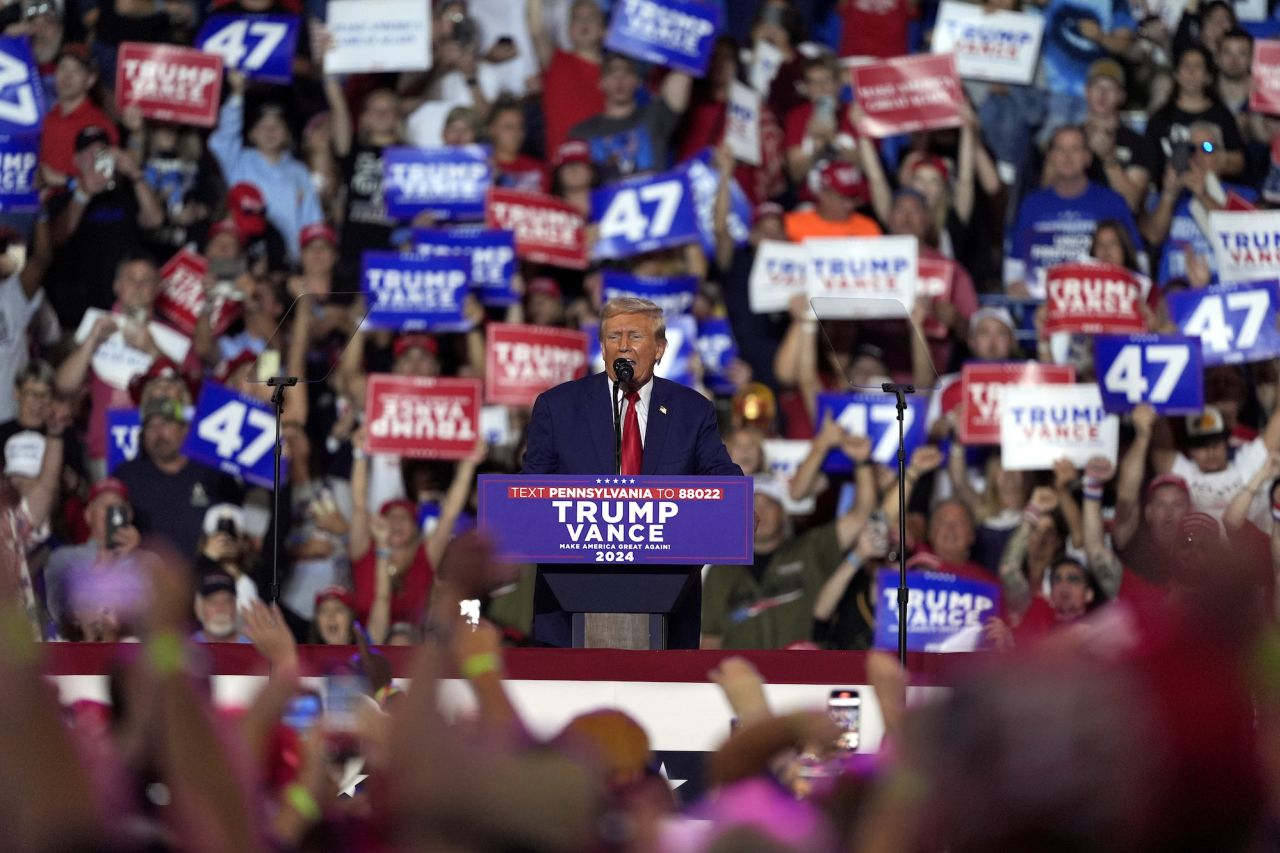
108	485
318	231
768	208
932	161
398	503
1168	480
248	209
544	285
408	342
844	179
571	151
224	226
339	592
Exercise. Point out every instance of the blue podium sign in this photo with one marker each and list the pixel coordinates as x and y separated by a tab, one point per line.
618	520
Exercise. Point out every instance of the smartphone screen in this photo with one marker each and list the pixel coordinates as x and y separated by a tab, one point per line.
303	712
845	709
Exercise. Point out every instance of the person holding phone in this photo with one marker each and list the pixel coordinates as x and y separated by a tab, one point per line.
112	537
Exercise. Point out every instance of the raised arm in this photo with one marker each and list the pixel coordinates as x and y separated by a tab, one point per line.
455	501
1105	565
808	480
720	213
677	87
539	33
1237	512
226	142
360	535
1132	468
1017	587
796	362
1065	477
958	471
926	458
869	155
849	525
965	190
44	493
74	370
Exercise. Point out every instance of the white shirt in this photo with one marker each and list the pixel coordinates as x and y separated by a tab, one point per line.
642	407
16	312
1211	493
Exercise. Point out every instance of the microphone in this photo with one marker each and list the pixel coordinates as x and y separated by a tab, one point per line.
624	370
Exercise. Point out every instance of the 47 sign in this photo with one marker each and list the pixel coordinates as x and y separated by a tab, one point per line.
876	417
260	46
1165	371
233	433
644	213
1236	323
21	104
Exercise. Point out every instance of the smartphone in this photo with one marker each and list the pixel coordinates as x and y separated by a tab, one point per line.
105	164
1180	157
303	712
268	365
227	269
844	706
343	696
825	109
117	517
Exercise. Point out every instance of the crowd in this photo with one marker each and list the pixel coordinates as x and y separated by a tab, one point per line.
1132	131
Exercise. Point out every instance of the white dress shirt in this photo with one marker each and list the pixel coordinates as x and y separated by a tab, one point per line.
642	407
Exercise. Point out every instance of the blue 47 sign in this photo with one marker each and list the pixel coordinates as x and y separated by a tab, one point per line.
1166	371
21	97
234	433
1236	323
876	417
259	46
124	433
643	214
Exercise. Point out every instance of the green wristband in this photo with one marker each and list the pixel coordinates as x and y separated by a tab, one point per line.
297	796
478	665
166	653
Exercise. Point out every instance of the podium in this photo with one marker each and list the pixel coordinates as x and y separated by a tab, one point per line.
619	558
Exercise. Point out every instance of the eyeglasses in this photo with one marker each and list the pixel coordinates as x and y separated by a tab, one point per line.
35	10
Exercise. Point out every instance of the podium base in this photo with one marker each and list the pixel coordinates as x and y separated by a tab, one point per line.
639	631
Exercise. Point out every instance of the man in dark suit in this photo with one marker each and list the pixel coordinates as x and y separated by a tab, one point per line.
667	429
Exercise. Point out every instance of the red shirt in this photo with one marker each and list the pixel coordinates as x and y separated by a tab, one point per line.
409	602
874	28
570	94
524	173
58	136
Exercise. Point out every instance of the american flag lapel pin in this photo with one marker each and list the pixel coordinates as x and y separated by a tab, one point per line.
662	409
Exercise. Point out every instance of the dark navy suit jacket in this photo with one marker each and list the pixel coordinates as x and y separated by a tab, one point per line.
571	432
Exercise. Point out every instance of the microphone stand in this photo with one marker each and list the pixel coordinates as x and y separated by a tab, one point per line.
617	427
278	384
900	392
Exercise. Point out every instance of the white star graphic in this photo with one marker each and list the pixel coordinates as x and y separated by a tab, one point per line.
351	776
674	783
597	481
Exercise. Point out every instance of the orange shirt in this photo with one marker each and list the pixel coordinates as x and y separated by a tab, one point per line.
807	223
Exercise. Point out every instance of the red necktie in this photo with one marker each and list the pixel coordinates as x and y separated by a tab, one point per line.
631	436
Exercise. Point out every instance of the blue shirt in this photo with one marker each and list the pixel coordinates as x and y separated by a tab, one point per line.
1053	230
286	184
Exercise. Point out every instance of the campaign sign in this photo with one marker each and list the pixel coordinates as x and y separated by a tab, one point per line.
446	181
182	297
1166	371
178	84
676	33
742	123
1236	323
1040	424
377	35
548	230
523	361
1000	47
935	278
19	156
945	613
115	362
619	520
22	110
411	292
1093	297
983	386
124	433
907	94
259	46
878	269
234	433
779	272
704	180
1246	243
673	294
783	458
1264	95
716	350
492	254
22	103
422	417
644	213
876	417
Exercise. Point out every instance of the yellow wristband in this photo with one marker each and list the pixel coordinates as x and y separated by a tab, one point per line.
15	636
478	665
166	653
302	802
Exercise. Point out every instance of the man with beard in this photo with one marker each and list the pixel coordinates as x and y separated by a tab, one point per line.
171	493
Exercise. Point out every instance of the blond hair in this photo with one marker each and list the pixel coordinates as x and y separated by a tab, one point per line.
635	305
